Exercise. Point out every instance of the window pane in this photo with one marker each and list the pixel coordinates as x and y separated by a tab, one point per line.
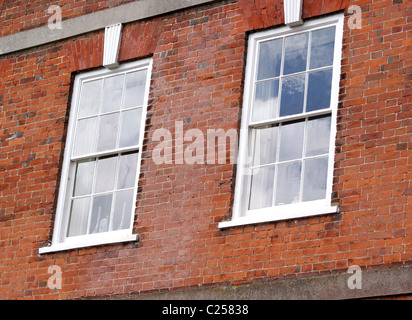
315	176
266	100
90	98
261	193
84	178
101	213
85	136
270	57
78	217
265	146
135	88
318	136
130	132
322	48
127	171
293	90
291	141
288	183
112	93
296	52
122	210
108	132
319	89
106	173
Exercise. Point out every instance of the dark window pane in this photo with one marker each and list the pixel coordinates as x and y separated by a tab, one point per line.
293	91
319	89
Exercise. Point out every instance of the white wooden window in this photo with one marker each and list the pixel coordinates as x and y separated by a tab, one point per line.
100	172
287	138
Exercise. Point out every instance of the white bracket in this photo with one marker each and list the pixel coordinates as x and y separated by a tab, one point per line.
293	12
112	38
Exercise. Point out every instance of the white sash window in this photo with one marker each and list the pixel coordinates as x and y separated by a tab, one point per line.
100	172
287	139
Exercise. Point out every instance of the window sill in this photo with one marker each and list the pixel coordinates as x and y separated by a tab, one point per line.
94	240
278	214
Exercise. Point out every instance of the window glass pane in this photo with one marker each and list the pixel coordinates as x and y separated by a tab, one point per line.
84	178
130	131
127	171
291	141
265	146
293	90
101	213
78	217
122	210
112	93
318	136
315	176
106	173
322	48
90	98
135	88
261	193
319	89
108	132
266	100
270	57
296	52
85	136
288	183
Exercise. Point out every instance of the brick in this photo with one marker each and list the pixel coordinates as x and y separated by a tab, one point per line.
198	72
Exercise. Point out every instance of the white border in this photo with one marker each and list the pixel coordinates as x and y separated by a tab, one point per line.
60	242
304	209
91	240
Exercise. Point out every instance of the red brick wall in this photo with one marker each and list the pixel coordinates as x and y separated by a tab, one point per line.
20	15
198	70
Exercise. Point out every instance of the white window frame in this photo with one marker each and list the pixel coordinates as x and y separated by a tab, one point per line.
60	242
240	214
